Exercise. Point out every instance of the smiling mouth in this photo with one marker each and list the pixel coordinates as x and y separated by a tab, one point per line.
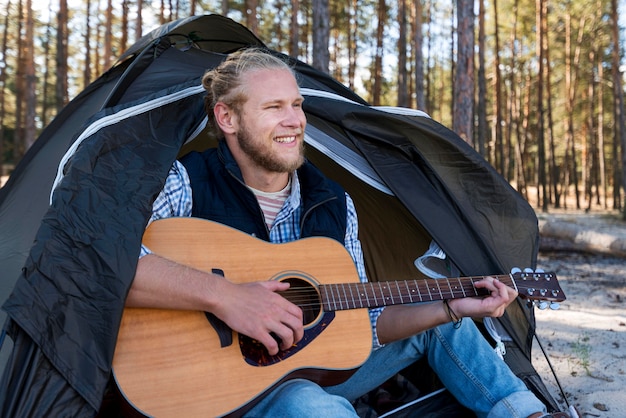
285	139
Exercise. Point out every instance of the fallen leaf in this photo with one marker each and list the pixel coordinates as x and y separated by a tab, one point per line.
600	406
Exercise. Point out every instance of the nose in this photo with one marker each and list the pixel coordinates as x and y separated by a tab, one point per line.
295	116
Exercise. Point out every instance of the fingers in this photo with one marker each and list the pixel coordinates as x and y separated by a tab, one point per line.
284	336
497	289
262	314
499	298
288	328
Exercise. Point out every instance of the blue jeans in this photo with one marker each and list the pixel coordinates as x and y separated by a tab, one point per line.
462	359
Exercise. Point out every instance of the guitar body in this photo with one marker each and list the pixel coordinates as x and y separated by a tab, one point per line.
172	363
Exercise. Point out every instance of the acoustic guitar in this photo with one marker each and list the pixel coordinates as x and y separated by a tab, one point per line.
186	364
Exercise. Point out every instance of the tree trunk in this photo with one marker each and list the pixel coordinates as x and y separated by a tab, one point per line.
428	84
378	58
618	112
108	40
87	69
553	168
541	158
252	23
571	75
481	108
20	87
403	96
61	57
139	20
452	58
31	79
353	42
497	138
294	34
464	79
516	117
602	188
124	32
418	45
3	82
321	35
589	160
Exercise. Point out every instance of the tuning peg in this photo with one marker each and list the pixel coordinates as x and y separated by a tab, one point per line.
539	271
528	270
515	270
543	305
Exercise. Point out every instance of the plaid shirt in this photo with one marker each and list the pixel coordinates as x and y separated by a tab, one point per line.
175	200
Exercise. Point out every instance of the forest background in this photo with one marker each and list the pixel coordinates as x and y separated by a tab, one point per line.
535	86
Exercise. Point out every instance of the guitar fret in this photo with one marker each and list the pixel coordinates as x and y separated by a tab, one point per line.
326	303
381	294
417	288
471	281
408	291
380	301
352	297
365	287
376	303
389	294
509	281
337	296
460	285
399	293
439	289
430	296
334	294
334	297
449	288
358	289
343	301
345	297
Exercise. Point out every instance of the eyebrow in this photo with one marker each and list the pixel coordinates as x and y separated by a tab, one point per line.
280	101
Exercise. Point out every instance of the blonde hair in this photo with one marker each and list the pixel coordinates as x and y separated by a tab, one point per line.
224	83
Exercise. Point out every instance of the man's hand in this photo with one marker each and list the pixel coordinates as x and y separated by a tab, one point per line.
493	305
253	309
256	310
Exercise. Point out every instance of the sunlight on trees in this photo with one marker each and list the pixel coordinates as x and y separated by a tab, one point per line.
541	82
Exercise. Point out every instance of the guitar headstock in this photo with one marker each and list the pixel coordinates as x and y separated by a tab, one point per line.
538	286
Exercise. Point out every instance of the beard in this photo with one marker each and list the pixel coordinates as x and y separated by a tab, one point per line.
266	157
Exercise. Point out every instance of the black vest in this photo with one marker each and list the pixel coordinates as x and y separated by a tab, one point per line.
219	194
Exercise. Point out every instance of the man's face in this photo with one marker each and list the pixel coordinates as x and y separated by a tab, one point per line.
271	122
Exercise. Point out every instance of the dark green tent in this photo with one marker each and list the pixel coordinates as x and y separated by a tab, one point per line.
73	212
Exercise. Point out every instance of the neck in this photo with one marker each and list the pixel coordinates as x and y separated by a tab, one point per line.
266	182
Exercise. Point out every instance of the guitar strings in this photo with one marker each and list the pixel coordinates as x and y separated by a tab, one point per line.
348	293
341	296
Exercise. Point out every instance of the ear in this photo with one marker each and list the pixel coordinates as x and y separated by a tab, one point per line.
225	118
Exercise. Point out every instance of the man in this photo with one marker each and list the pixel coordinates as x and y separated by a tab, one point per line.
258	180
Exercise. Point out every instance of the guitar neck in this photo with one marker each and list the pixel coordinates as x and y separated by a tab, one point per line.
342	296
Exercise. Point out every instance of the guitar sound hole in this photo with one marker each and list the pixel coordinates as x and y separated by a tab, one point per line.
306	296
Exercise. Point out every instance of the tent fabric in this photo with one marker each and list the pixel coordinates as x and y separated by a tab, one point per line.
94	225
29	368
73	213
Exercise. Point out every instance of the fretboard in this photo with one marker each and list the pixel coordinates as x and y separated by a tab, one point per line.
337	297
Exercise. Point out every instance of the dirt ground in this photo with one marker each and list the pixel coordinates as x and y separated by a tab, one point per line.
585	340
